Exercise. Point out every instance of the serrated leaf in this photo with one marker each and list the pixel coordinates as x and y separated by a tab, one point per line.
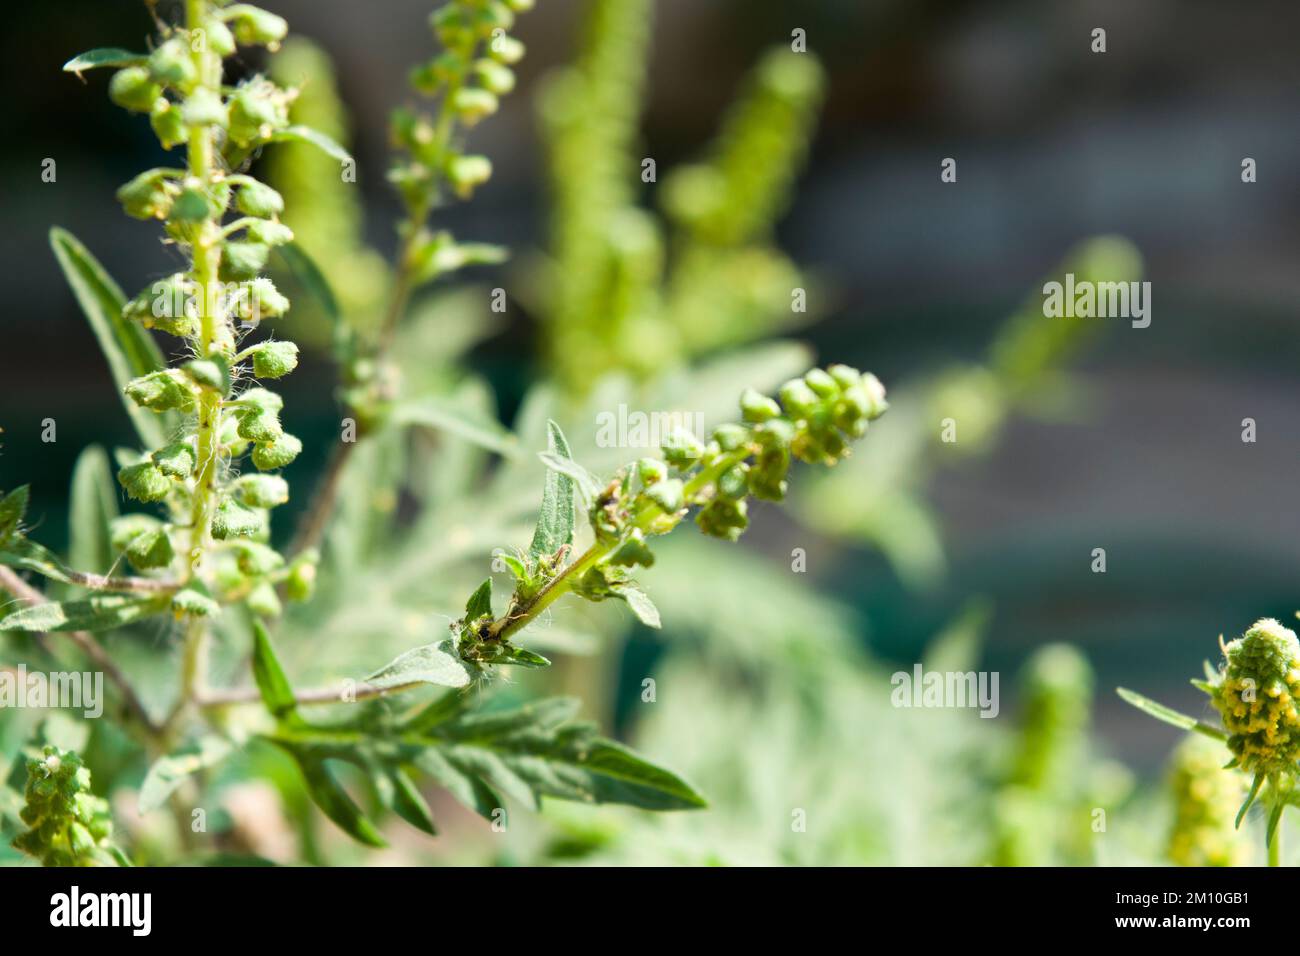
94	506
111	56
431	664
100	612
556	519
276	691
441	415
305	134
466	788
128	348
168	773
1169	715
408	803
639	603
586	483
329	795
480	602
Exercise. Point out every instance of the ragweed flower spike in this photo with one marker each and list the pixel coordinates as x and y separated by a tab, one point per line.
1205	805
67	824
1254	690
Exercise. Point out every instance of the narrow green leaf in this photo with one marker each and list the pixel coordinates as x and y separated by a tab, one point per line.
556	519
466	788
586	483
309	276
409	804
104	56
1168	715
333	800
94	506
1274	818
480	602
1250	799
100	612
128	348
305	134
468	424
639	602
277	694
168	773
30	556
430	664
521	658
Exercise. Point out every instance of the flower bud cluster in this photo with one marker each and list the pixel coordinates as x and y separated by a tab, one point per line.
1256	694
67	824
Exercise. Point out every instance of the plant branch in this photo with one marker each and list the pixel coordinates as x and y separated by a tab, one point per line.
234	696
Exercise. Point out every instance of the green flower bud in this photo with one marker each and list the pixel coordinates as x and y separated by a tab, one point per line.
176	460
1206	798
681	448
194	603
258	109
171	64
1256	696
190	206
233	520
505	49
165	118
256	559
260	426
262	398
733	483
495	77
133	90
493	15
651	471
260	299
822	383
122	531
149	195
258	199
275	359
254	26
875	391
466	173
204	107
160	391
277	454
153	549
452	26
668	495
521	6
722	518
262	491
845	376
301	580
144	482
797	397
757	407
272	234
633	552
220	40
243	260
209	374
472	105
731	436
263	601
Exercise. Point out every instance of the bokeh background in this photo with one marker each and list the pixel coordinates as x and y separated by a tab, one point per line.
1136	445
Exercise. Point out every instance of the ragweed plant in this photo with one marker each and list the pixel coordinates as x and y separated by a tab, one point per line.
212	444
1254	691
1205	806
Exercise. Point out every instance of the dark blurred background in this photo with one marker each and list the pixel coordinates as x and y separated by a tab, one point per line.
1054	143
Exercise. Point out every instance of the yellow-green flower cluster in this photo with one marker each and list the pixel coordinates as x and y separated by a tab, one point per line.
1256	695
1206	798
68	825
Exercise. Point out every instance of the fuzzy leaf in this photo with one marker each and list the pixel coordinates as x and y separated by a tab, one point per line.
104	56
277	694
94	506
556	519
168	773
480	602
639	602
401	795
100	612
329	795
129	349
305	134
586	483
430	664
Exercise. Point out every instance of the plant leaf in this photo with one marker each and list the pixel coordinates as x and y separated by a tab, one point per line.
408	803
104	56
442	415
168	773
94	506
430	664
329	795
100	612
305	134
1274	818
129	349
639	602
277	694
480	602
556	518
521	657
1250	799
13	508
586	483
309	276
1168	715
